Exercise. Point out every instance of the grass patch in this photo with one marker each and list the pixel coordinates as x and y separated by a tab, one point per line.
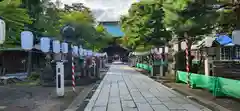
29	83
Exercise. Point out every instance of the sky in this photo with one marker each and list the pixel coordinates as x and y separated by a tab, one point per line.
105	10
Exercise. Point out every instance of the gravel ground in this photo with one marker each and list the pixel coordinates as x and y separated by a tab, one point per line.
35	98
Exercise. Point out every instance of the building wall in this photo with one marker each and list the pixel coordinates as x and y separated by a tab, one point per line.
16	61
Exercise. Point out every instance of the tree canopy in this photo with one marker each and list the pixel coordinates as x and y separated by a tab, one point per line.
189	19
143	26
45	18
15	18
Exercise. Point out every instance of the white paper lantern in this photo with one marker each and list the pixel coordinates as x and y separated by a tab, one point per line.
80	50
27	40
90	53
2	31
183	45
45	44
84	52
156	50
56	46
166	49
64	47
75	50
87	52
160	50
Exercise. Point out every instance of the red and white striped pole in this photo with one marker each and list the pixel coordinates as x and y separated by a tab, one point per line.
73	75
187	64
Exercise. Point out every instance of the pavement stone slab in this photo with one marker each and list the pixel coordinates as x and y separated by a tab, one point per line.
99	108
153	101
114	100
160	108
124	89
114	107
128	104
144	107
164	99
139	100
172	105
129	109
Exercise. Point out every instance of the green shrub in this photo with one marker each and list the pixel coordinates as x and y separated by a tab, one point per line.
34	76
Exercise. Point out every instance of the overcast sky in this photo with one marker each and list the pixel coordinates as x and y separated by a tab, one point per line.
114	8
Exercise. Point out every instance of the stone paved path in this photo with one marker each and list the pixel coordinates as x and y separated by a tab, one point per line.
124	89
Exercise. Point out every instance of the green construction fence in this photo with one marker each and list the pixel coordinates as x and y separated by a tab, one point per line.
218	85
148	67
144	66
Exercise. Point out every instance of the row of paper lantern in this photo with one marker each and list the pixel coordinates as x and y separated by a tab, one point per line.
27	44
159	50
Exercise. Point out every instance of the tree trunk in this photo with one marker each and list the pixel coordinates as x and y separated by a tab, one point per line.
201	60
189	45
237	11
176	58
189	61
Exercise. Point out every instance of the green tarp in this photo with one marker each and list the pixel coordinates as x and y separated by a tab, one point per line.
219	86
144	66
229	87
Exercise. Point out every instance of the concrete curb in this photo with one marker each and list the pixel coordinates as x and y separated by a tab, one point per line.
79	101
80	98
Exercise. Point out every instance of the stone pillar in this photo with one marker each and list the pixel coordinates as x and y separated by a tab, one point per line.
206	66
156	68
97	67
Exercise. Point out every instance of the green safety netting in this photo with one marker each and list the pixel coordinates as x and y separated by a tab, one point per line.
229	87
160	62
144	66
203	81
219	86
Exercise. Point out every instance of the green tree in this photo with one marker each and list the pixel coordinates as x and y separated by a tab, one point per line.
189	20
229	15
144	25
86	33
15	19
